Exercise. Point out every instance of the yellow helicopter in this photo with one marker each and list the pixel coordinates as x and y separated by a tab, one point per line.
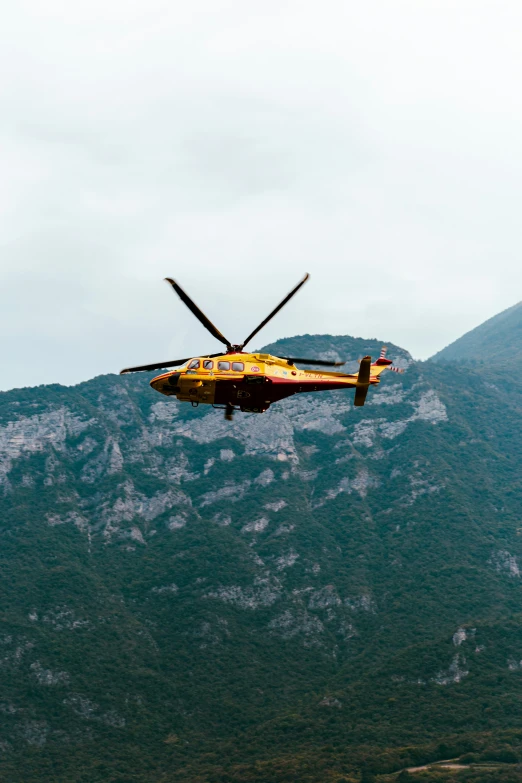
251	382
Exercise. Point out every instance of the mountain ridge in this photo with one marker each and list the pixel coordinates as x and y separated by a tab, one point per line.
496	340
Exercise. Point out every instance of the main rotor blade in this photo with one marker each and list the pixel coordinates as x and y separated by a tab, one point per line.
277	309
145	367
176	363
202	318
312	361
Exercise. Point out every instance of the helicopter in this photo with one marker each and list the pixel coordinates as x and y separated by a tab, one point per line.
250	382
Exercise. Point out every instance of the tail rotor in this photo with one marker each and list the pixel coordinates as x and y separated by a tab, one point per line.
388	362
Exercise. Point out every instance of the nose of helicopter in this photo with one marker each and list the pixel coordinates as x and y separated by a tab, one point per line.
166	383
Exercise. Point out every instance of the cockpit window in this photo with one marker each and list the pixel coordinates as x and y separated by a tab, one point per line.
223	365
238	366
207	364
194	364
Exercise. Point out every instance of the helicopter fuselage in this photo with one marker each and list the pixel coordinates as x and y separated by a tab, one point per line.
251	381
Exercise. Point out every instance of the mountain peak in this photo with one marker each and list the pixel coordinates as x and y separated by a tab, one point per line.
497	339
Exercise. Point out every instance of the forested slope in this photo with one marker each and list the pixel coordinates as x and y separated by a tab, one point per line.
299	595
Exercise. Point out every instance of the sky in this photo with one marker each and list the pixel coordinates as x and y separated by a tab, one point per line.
235	146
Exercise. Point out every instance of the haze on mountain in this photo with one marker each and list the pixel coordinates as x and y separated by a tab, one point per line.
318	593
498	339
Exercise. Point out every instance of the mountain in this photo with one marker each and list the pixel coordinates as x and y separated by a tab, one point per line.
497	340
312	594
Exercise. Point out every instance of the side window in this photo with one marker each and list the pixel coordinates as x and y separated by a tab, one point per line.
238	366
223	365
207	364
194	364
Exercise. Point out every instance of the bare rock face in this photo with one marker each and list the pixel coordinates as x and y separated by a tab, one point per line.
48	677
504	561
454	673
262	593
42	433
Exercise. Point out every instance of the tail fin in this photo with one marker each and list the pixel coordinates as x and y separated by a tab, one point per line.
363	381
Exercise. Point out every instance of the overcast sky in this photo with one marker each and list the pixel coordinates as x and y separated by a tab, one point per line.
237	145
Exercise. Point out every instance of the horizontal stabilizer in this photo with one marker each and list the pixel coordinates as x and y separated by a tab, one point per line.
360	395
363	381
364	370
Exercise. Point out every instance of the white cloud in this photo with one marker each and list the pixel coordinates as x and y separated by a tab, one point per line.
235	147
